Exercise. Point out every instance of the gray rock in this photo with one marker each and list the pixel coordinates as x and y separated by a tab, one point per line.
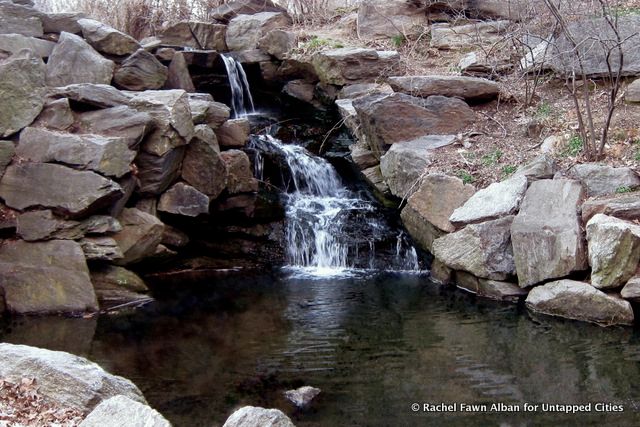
484	64
106	39
204	168
101	249
493	289
45	277
497	200
234	133
354	65
68	192
440	273
251	416
195	35
109	156
56	115
363	89
302	91
604	180
362	156
179	77
69	381
448	36
140	236
122	121
302	396
239	172
156	174
579	301
245	31
129	184
632	93
614	251
229	10
22	90
182	199
623	206
20	19
174	238
213	114
109	277
542	167
141	71
406	162
43	225
7	150
514	10
468	88
631	290
385	19
546	234
14	43
62	21
483	250
121	410
96	95
278	43
74	61
373	176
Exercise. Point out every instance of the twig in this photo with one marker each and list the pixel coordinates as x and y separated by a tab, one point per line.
504	130
326	137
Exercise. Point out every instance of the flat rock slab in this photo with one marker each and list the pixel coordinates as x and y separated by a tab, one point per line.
354	65
45	277
604	180
96	95
140	236
121	121
447	36
66	191
579	301
44	225
120	411
58	22
183	199
467	88
546	234
623	206
106	39
14	43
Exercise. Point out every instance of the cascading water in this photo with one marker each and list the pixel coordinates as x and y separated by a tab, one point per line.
241	100
329	228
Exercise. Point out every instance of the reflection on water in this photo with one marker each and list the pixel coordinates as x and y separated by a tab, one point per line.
374	345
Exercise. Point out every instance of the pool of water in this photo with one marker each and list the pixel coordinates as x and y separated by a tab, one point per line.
374	343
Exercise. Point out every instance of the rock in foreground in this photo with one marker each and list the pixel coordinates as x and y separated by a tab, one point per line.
251	416
122	411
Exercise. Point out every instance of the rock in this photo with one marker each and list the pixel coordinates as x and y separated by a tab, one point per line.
129	184
171	116
121	410
67	380
195	35
302	396
200	58
515	10
227	11
182	199
141	71
179	77
22	90
14	43
123	122
291	69
546	234
174	238
614	251
245	31
468	88
62	21
140	236
156	174
107	156
483	250
354	65
497	200
19	19
68	192
7	150
204	168
101	249
390	119
579	301
240	175
447	36
623	206
45	277
494	289
386	19
302	91
234	133
440	273
43	225
278	43
106	39
632	93
95	95
604	180
373	176
595	62
484	64
165	53
75	61
542	167
363	89
213	114
362	156
56	115
631	290
251	416
405	163
114	277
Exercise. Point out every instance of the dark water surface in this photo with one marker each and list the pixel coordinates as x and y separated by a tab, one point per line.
374	345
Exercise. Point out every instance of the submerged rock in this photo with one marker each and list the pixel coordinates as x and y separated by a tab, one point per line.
251	416
123	411
303	396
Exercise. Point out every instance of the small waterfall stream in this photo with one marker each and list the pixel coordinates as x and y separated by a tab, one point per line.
241	100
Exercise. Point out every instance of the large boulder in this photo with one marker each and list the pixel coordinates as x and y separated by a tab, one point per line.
45	277
468	88
183	199
22	90
623	206
179	76
123	122
604	180
140	236
66	191
204	111
195	35
203	167
240	174
20	19
107	156
406	162
278	43
57	22
245	31
69	381
348	65
546	234
229	10
251	416
448	36
14	43
120	411
497	200
389	119
614	251
106	39
141	71
579	301
93	95
483	250
74	61
426	215
385	19
157	173
234	133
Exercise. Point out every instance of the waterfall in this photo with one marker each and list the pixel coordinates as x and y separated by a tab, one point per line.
241	100
330	228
